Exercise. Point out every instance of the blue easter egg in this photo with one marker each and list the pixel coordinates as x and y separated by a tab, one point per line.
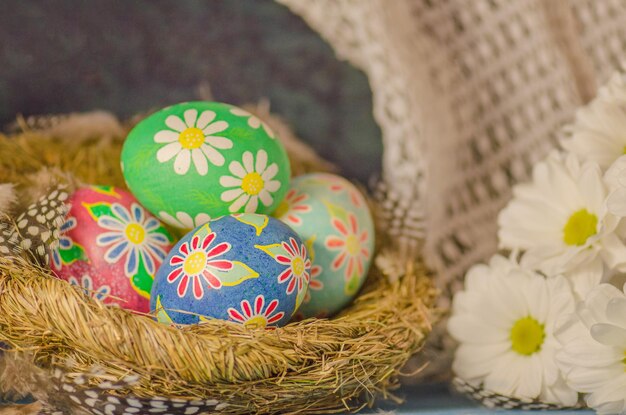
247	268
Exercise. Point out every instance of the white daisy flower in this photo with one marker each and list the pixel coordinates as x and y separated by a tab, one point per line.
593	343
251	181
193	139
183	220
504	321
598	133
254	122
560	218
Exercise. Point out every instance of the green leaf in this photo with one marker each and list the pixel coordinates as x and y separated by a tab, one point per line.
236	275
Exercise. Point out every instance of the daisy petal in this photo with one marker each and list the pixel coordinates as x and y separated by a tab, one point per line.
167	152
261	161
175	123
230	181
181	164
238	204
205	118
190	117
213	155
216	127
165	136
237	169
232	194
270	172
199	160
222	143
248	162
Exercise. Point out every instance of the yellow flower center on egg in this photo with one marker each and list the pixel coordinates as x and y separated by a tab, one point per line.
282	209
191	138
195	263
252	183
579	227
135	233
297	266
256	322
352	245
527	336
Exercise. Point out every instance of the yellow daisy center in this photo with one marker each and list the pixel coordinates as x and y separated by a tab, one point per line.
297	266
352	245
256	322
135	233
252	183
527	336
191	138
194	263
579	227
282	209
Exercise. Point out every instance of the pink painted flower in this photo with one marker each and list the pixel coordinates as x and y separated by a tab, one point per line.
350	244
291	206
196	264
314	283
299	266
259	316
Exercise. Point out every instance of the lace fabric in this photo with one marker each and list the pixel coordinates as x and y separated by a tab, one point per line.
468	95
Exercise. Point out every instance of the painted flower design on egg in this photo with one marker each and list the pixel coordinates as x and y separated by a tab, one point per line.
183	220
315	284
64	243
86	282
350	244
299	266
259	316
292	206
132	236
192	139
196	264
252	180
253	121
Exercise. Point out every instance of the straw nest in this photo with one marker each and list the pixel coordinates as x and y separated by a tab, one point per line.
63	343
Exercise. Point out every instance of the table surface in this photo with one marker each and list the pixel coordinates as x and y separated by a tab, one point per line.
434	399
437	399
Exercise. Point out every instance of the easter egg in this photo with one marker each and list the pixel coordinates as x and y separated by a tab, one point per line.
192	161
110	246
248	268
331	216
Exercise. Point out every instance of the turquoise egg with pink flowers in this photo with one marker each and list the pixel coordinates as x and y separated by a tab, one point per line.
333	219
247	268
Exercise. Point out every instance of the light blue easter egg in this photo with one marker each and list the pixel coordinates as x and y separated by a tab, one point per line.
248	268
332	217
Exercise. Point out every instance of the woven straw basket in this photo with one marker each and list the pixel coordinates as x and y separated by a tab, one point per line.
74	354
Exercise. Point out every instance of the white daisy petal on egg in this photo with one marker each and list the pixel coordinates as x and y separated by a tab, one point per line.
190	116
191	140
165	136
204	119
251	178
181	164
175	123
167	152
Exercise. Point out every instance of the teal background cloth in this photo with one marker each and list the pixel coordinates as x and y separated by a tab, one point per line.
128	57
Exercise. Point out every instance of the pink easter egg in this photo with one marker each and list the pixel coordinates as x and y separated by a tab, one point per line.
111	247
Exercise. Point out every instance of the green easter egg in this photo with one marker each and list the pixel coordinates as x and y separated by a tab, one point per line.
194	161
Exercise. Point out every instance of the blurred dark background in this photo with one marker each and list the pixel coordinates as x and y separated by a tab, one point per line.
127	57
